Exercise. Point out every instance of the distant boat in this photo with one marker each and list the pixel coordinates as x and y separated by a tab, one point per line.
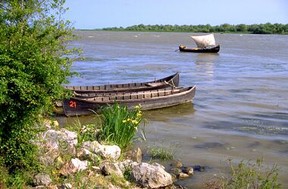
205	44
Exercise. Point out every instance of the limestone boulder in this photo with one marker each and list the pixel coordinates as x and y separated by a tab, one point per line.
105	151
151	175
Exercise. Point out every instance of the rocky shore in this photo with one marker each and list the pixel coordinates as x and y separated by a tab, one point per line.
96	165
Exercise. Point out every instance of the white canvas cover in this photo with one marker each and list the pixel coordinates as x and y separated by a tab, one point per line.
204	40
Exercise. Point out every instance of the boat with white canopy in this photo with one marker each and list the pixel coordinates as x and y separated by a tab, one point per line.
205	44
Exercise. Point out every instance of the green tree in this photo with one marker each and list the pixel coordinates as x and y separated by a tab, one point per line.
34	63
267	28
241	28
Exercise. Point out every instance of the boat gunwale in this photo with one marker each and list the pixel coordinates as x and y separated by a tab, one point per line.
171	80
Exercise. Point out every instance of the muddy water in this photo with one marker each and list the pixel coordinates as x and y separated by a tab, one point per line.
240	110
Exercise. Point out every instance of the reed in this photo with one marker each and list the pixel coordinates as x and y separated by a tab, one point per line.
161	153
120	124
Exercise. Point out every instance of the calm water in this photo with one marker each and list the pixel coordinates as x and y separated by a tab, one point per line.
240	110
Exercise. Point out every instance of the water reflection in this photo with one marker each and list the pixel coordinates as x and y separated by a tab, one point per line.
163	114
205	63
166	114
78	121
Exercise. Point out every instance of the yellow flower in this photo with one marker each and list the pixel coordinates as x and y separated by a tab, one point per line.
139	114
124	121
138	107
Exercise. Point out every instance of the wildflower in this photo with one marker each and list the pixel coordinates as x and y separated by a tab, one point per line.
139	114
138	107
124	121
83	129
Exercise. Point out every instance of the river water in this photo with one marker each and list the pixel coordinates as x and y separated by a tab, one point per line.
240	110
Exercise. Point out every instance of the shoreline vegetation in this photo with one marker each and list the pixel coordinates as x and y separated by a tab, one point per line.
266	28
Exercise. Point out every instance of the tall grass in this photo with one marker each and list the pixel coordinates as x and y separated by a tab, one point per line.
247	175
120	124
161	153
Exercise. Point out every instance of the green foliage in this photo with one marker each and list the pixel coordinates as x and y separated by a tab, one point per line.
4	175
248	175
128	174
34	63
252	175
19	152
19	179
267	28
86	132
120	124
161	153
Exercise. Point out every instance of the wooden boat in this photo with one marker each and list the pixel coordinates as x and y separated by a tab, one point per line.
169	81
152	99
211	49
205	44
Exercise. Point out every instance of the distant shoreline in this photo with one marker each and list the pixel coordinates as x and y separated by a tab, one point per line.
267	28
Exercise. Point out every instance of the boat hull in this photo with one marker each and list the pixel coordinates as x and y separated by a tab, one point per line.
214	49
149	100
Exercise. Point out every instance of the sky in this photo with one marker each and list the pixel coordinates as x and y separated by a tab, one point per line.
98	14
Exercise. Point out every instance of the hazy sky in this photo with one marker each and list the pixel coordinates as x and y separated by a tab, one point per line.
92	14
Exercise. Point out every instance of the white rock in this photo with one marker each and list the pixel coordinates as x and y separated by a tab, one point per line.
111	152
109	168
105	151
42	179
73	166
151	176
53	138
79	165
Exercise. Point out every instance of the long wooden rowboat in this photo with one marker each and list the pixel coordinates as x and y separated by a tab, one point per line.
153	99
213	49
170	81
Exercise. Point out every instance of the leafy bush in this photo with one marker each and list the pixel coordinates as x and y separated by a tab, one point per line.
120	124
34	65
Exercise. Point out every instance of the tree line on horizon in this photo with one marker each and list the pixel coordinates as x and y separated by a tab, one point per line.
267	28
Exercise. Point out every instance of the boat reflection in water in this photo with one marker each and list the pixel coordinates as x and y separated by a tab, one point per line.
174	112
205	63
